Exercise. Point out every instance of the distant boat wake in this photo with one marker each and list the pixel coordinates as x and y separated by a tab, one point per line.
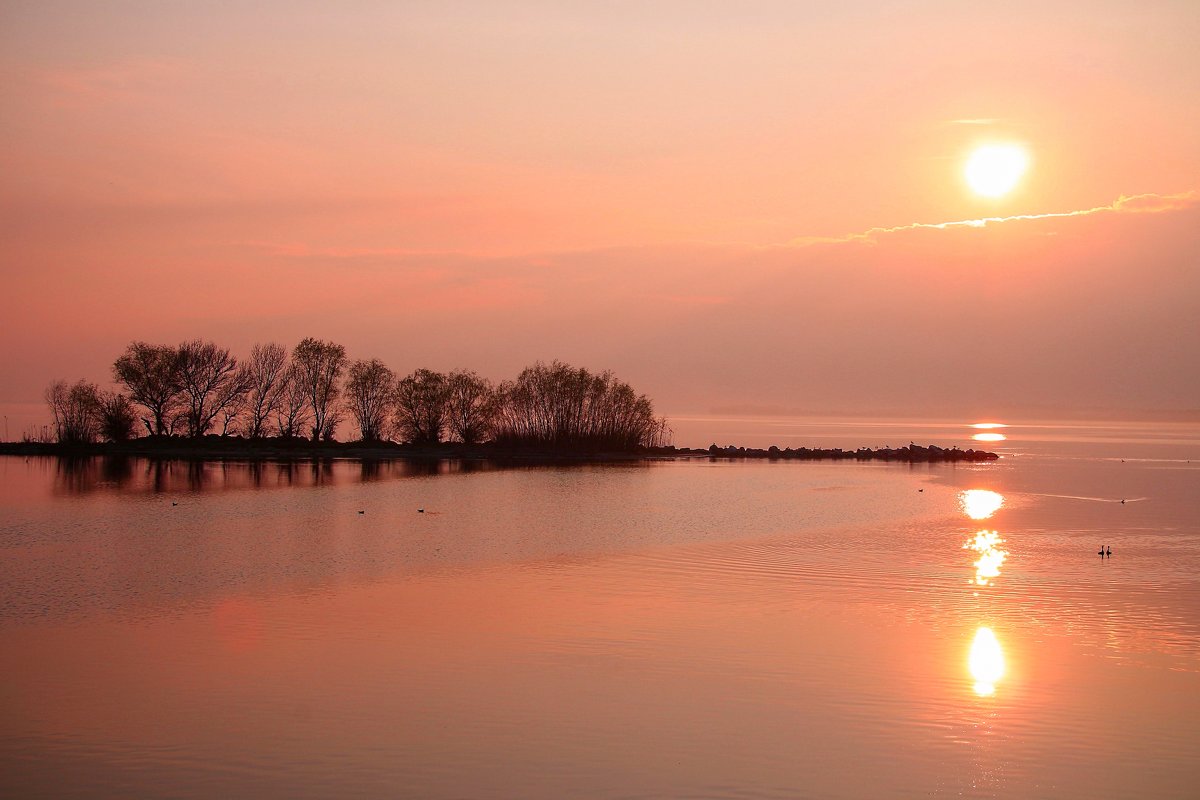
1092	499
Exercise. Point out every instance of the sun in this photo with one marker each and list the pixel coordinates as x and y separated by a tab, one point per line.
994	169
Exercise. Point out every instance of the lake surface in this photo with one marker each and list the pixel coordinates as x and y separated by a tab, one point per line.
662	629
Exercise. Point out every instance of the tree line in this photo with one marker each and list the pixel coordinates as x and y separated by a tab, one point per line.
199	388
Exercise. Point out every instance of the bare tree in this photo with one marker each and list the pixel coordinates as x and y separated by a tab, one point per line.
369	395
265	376
150	373
75	410
118	419
229	402
420	403
209	377
292	414
319	367
562	407
470	406
233	410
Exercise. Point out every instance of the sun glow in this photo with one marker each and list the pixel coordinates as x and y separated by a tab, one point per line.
993	170
986	662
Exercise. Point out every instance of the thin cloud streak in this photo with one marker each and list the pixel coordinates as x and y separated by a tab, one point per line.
1149	203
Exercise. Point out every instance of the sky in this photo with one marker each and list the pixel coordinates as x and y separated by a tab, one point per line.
735	207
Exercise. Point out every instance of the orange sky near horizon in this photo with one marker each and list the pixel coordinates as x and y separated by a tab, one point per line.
712	202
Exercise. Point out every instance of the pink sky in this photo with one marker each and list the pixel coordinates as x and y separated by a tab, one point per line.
713	203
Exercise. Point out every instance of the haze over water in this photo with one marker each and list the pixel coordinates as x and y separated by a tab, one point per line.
689	628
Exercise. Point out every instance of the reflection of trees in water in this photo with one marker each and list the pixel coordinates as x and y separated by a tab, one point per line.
449	466
196	474
82	474
117	470
379	470
170	476
286	473
75	475
419	469
472	466
322	472
254	471
159	473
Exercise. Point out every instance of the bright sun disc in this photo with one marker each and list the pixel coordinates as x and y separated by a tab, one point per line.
994	169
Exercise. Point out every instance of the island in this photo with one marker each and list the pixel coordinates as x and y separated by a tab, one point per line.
234	448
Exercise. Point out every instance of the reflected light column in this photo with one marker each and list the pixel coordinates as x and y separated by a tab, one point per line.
986	662
980	503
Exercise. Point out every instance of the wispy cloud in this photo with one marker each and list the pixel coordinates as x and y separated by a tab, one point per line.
1149	203
1125	204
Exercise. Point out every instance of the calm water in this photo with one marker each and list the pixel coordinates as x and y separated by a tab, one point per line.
668	629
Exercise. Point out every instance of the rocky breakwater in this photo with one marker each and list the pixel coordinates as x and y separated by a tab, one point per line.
911	453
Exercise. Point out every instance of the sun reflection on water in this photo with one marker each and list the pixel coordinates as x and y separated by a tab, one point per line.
991	557
986	662
980	503
989	437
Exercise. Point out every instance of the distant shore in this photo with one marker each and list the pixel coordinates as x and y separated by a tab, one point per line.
217	448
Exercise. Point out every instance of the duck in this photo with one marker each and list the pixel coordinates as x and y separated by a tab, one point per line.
1101	553
1109	552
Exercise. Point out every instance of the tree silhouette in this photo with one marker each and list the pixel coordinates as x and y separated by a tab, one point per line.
210	381
470	407
560	407
265	378
420	403
117	417
292	414
150	374
319	367
75	411
369	395
198	385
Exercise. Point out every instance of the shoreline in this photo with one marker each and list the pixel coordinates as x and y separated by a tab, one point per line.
231	449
